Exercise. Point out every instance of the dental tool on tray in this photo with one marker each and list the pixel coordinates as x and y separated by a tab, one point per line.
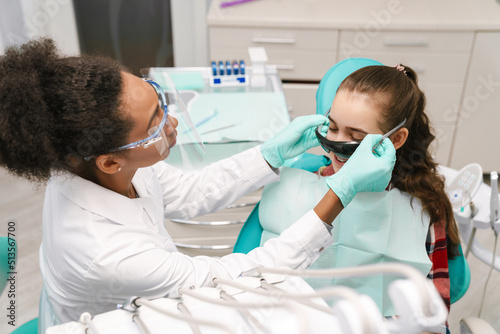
218	129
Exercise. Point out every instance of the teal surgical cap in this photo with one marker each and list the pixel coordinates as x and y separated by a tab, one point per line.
334	77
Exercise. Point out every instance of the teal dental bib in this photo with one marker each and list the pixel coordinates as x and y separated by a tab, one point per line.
374	228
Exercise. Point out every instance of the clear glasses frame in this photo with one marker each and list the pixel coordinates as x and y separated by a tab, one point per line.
155	137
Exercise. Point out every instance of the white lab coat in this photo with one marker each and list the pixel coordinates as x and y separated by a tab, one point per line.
99	248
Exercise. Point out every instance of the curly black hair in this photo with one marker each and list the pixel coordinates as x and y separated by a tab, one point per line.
55	111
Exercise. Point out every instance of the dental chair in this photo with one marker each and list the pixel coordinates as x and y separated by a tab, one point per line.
251	232
31	327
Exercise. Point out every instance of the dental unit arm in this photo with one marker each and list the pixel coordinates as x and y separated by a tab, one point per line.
473	211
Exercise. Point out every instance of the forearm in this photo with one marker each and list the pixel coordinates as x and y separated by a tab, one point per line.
329	207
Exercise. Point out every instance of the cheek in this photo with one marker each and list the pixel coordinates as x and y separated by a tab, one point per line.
332	156
336	167
149	156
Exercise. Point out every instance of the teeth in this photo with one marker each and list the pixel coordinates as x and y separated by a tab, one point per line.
341	160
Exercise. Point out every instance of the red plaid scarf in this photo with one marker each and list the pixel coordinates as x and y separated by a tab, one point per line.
436	246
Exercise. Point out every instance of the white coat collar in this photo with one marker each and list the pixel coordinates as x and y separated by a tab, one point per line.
107	203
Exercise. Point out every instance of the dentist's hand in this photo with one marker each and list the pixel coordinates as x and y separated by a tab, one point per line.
295	139
365	171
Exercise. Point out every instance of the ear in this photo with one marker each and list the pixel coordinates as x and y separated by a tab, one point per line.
399	138
109	163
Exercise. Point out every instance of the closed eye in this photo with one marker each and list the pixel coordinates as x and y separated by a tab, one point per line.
356	139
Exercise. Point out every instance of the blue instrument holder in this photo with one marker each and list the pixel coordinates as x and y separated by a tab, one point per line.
227	73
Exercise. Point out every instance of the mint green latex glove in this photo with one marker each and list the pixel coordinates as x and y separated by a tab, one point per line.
365	171
295	139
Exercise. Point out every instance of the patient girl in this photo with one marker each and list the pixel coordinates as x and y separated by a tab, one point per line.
412	222
375	99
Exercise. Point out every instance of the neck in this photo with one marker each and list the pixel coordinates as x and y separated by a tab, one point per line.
120	182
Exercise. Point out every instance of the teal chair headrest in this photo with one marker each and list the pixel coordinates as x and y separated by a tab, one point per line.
334	77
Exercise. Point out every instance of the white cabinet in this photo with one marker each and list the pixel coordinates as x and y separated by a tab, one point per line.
295	52
477	135
300	98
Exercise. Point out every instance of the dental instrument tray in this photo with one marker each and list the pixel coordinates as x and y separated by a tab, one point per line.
228	74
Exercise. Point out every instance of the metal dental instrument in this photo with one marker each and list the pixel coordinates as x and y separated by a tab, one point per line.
218	129
399	126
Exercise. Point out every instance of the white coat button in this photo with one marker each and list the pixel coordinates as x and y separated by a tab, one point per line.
321	249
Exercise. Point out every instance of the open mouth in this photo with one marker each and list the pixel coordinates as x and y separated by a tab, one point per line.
340	160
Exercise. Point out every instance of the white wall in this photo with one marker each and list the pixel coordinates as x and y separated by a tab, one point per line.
190	33
28	19
2	49
11	23
62	26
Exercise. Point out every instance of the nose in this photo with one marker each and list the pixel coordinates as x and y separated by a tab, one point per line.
170	127
172	120
337	136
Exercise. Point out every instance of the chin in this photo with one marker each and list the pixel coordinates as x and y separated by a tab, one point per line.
165	155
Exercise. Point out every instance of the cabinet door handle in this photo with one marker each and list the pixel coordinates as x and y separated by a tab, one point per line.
208	223
273	40
287	67
192	246
393	42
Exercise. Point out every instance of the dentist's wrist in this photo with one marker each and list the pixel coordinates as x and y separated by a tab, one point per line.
329	207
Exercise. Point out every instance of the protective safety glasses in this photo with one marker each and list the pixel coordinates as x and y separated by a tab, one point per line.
347	148
157	132
340	147
182	145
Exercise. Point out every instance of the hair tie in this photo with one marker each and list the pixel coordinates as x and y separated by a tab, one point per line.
400	68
